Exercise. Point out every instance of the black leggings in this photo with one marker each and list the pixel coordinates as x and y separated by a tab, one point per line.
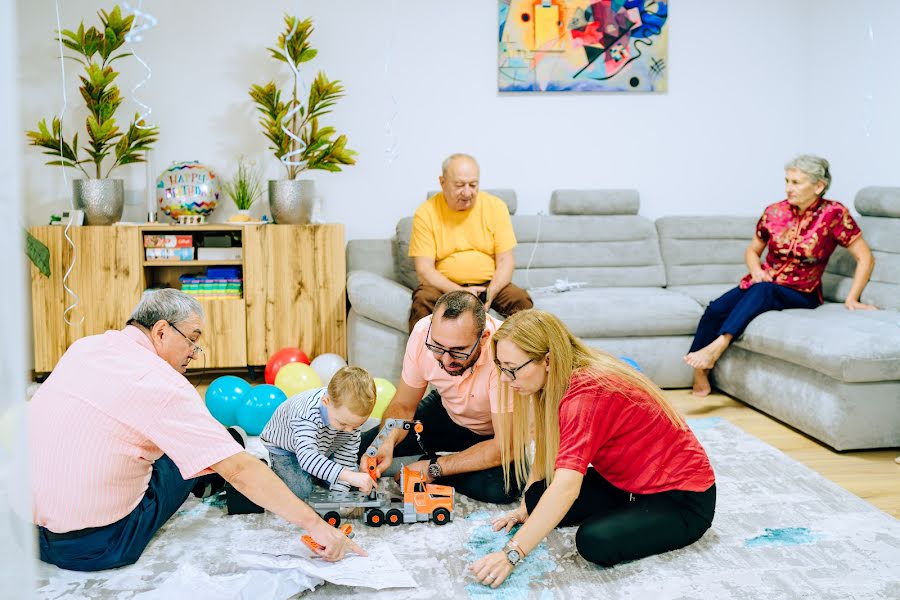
617	526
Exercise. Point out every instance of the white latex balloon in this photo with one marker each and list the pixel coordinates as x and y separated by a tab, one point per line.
326	365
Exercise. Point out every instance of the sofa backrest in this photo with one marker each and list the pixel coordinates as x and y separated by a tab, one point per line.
704	250
590	236
879	208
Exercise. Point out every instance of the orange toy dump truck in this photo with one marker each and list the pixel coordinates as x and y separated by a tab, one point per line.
421	501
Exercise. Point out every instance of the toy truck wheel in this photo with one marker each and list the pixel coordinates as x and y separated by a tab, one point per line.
374	518
332	518
394	517
440	516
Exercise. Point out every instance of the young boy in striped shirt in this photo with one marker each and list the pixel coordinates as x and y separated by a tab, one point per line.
313	437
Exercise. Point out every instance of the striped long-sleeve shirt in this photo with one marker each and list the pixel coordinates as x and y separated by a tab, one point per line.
300	425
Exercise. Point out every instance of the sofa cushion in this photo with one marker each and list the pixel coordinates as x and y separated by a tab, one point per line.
375	256
379	299
622	312
704	293
883	290
601	251
403	262
595	202
704	250
850	346
876	201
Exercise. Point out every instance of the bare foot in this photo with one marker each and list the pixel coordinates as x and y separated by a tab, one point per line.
701	383
705	358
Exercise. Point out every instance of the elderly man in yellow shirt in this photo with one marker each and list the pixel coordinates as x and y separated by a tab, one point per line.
463	238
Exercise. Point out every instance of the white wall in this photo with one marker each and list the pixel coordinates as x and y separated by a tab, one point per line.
17	546
745	94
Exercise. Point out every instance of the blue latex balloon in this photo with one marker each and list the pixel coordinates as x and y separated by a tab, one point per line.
632	362
224	395
258	408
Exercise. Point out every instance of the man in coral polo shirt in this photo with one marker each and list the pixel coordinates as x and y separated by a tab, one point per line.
118	435
451	350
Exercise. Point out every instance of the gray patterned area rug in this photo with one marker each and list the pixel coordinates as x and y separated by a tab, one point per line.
781	531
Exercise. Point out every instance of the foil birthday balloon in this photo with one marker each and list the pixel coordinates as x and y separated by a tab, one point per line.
187	188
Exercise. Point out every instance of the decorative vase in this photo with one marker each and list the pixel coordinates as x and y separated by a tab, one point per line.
102	200
291	200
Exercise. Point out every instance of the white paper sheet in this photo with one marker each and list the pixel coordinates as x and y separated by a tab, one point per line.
380	570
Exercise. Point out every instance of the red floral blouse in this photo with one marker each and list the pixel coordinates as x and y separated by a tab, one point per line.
799	245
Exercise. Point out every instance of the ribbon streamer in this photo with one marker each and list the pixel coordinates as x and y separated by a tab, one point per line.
392	151
286	158
62	114
142	22
868	98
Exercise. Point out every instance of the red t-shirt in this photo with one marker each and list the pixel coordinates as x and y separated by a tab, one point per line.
629	440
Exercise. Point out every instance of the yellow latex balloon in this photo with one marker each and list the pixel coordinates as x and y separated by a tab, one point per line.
384	393
296	377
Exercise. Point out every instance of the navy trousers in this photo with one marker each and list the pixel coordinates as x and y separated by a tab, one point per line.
732	311
120	543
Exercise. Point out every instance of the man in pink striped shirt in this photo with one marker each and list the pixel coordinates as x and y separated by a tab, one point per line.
118	433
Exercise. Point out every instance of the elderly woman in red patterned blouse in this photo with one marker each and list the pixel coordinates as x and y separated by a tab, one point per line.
800	232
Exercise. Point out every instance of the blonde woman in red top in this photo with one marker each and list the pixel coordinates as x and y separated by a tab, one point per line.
800	232
611	454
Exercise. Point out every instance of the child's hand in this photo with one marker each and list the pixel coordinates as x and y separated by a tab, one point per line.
359	480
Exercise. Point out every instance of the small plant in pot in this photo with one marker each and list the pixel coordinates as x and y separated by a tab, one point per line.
101	198
293	129
243	189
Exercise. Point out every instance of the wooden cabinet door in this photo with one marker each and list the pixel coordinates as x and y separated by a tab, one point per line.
107	277
295	286
224	339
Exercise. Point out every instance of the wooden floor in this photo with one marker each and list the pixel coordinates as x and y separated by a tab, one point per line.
870	474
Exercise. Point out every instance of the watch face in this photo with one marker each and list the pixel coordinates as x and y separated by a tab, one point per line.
434	470
513	556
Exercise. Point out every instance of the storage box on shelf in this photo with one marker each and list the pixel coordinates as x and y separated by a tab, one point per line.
286	289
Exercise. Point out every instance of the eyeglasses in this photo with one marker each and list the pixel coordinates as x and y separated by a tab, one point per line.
195	347
439	351
511	373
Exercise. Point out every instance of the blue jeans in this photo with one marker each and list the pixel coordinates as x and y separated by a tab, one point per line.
120	543
732	311
288	470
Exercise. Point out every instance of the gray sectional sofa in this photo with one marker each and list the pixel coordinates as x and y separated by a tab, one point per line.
831	373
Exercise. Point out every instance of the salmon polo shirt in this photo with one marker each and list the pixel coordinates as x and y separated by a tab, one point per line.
469	398
112	407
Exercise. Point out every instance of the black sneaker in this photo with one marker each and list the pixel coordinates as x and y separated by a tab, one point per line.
210	485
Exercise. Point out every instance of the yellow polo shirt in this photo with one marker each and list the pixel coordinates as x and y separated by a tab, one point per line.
462	243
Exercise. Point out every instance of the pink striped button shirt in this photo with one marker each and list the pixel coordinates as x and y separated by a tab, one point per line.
109	410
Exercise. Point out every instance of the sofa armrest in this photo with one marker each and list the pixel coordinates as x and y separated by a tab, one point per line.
379	299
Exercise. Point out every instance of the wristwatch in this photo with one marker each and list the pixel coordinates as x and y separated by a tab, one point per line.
513	553
434	468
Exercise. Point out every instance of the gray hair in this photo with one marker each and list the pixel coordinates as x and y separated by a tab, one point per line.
446	164
460	302
815	167
166	304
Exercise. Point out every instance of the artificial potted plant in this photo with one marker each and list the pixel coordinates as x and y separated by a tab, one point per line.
293	127
243	189
102	199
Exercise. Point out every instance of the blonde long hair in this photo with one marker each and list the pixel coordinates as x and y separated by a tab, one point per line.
539	334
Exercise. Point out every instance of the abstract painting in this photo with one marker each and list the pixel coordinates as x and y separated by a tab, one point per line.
583	45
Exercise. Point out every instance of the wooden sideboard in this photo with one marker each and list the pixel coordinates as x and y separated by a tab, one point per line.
294	289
